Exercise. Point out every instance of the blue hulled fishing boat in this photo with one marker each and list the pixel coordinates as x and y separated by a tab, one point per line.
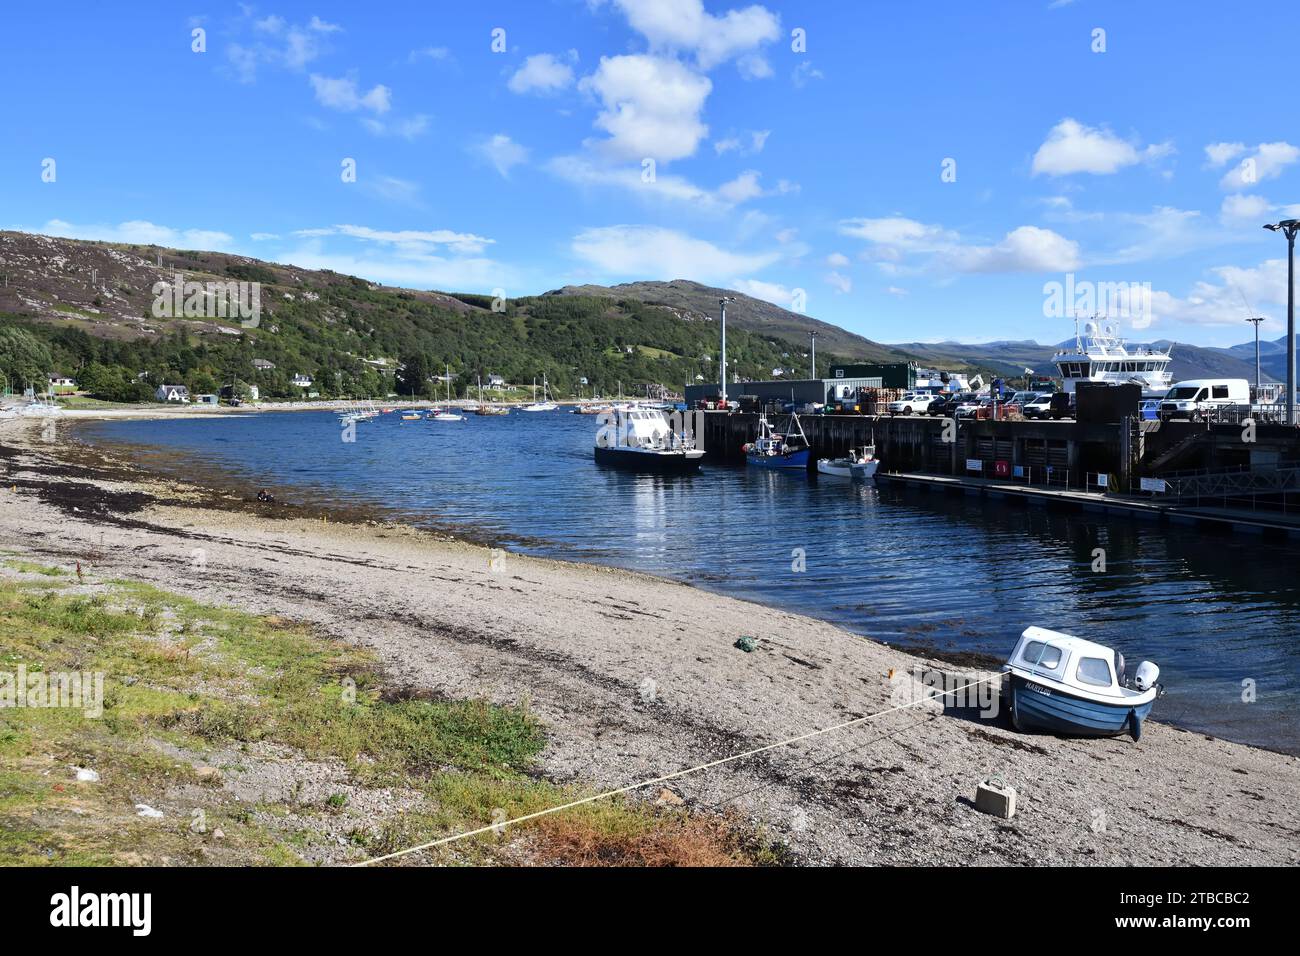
786	452
1066	685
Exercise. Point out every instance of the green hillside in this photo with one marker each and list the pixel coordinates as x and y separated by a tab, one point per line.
85	309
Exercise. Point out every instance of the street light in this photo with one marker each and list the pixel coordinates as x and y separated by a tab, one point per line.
723	359
1288	227
1255	320
813	335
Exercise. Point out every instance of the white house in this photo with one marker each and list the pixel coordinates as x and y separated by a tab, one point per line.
263	365
60	382
496	381
172	393
302	381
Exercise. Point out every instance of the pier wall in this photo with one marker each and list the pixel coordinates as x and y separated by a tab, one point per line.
1070	449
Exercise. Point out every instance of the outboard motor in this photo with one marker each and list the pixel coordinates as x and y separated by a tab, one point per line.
1146	676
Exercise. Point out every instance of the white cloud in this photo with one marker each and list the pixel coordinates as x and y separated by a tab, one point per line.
138	232
741	189
405	267
653	252
1025	249
541	73
408	128
1071	147
837	260
583	172
753	66
1220	153
1226	303
264	236
1266	162
342	93
276	42
650	107
772	292
840	283
465	243
1238	208
757	140
503	153
900	233
665	186
805	73
684	25
895	290
428	53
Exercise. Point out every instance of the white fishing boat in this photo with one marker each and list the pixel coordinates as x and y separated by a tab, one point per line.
1099	355
859	463
545	405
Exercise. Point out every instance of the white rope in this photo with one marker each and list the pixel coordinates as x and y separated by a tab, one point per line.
498	827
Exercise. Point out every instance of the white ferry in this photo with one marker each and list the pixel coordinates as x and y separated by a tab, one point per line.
1099	355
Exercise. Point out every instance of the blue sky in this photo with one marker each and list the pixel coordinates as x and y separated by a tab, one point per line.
779	166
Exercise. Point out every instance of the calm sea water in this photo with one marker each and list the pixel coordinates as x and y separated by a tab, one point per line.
899	566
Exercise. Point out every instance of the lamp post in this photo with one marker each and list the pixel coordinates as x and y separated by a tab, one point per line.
1255	320
723	358
813	335
1288	227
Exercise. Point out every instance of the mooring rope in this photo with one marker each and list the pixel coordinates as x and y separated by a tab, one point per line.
498	827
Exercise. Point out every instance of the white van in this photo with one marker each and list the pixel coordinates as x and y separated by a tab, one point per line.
1200	398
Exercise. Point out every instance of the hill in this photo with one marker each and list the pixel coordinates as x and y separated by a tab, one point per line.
91	310
696	302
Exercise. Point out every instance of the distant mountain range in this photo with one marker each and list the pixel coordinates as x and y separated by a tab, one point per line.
1013	357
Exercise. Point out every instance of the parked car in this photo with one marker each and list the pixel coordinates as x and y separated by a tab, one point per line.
1201	398
1062	406
911	402
942	406
1040	406
969	406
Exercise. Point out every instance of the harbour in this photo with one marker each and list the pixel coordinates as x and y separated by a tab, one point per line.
956	573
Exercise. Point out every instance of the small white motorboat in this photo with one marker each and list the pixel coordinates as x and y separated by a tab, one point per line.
860	463
1067	685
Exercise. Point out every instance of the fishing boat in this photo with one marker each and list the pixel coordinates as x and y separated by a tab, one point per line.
545	405
859	463
787	451
644	440
1067	685
410	416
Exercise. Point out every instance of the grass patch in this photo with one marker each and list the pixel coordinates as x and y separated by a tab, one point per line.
185	683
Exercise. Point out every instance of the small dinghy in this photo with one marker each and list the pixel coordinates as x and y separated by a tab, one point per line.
1066	685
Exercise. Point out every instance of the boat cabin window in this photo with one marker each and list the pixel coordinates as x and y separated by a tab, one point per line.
1093	670
1040	654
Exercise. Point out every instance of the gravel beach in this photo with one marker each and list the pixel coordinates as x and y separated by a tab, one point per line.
637	677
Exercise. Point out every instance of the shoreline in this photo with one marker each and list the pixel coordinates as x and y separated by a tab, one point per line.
636	676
